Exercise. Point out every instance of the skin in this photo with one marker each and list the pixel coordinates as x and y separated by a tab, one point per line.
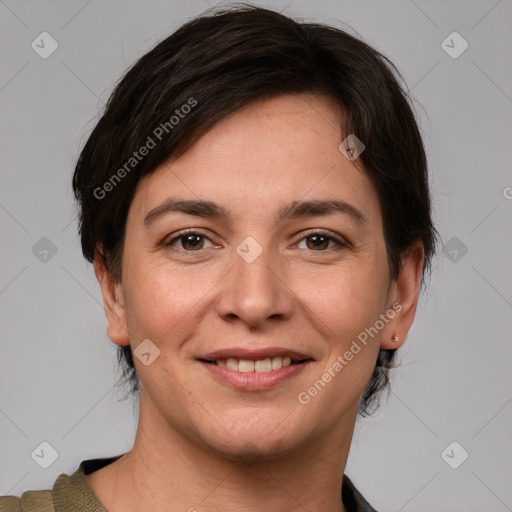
201	443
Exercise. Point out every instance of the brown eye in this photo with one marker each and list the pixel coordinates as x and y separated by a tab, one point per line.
190	241
319	242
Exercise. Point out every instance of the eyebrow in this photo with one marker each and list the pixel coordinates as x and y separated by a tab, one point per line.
296	209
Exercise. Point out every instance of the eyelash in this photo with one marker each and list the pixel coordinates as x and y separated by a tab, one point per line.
192	231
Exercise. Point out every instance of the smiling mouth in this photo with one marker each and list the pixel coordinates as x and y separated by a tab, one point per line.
268	364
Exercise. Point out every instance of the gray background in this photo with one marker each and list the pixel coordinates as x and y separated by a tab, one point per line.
58	368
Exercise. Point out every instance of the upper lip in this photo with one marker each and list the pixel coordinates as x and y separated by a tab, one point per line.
255	355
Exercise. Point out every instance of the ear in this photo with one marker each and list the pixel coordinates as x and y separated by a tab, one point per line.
113	302
403	298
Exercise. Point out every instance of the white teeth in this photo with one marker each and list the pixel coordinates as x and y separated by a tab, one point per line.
262	365
277	362
231	363
245	365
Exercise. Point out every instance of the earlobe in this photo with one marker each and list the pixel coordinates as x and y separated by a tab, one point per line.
405	293
113	303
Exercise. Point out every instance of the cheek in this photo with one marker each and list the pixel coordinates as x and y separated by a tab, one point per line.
163	301
344	302
347	298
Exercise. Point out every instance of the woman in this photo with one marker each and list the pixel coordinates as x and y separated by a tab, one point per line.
255	202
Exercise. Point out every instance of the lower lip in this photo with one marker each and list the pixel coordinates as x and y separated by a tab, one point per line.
255	381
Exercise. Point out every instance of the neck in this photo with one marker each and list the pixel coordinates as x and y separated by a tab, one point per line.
167	467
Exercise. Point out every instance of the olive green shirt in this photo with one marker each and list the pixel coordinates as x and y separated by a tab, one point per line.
72	493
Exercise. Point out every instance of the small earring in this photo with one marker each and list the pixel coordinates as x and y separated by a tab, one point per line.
394	339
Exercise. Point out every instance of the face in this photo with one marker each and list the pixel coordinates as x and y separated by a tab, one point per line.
265	281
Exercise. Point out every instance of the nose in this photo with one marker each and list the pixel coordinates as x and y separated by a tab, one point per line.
254	292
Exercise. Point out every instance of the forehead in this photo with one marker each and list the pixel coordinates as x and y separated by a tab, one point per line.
265	155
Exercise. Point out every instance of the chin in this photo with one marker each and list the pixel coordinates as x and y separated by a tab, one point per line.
252	445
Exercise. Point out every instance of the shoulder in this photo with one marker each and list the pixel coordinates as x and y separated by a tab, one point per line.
68	493
65	493
30	501
9	504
